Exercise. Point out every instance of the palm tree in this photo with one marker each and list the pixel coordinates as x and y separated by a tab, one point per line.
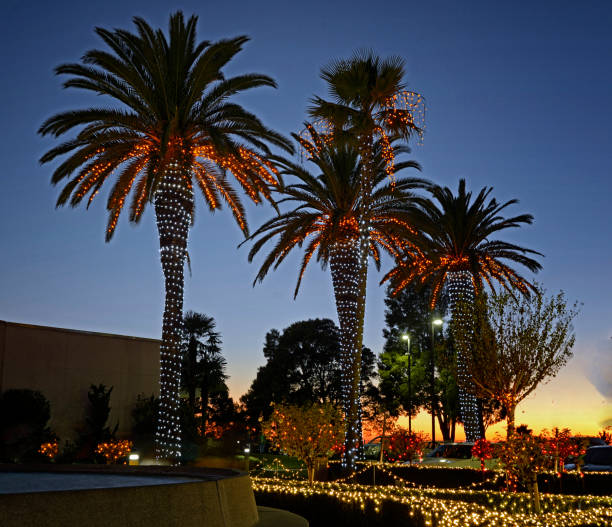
370	106
326	220
173	127
203	364
453	248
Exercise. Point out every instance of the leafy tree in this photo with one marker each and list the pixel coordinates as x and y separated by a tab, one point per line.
512	344
24	418
302	367
144	415
172	128
307	432
409	312
452	247
326	220
369	109
380	411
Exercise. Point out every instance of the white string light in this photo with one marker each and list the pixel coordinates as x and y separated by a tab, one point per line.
461	289
173	203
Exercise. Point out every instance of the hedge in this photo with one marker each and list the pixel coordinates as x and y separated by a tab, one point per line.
595	483
331	504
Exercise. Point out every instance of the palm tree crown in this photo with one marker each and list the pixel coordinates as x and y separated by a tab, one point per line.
369	101
327	206
174	113
454	236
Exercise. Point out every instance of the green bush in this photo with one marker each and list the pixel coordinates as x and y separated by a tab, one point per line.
24	415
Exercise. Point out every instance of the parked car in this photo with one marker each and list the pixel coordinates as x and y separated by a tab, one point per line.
455	455
449	453
371	450
597	458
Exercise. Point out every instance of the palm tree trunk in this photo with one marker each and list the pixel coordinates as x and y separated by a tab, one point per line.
344	265
461	289
173	206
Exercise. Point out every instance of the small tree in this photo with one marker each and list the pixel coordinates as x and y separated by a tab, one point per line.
483	450
405	446
523	458
559	445
514	343
306	432
606	435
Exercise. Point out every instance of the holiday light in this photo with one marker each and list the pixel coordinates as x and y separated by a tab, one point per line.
340	221
454	249
169	184
50	449
461	289
165	134
450	507
114	450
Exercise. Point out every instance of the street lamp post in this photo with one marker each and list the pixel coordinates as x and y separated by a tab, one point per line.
434	322
406	339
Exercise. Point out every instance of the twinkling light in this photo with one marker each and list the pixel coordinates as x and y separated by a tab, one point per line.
173	206
461	289
50	449
452	507
114	450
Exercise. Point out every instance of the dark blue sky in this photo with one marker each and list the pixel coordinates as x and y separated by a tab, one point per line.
519	97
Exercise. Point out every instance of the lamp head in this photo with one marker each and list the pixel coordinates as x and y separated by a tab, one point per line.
437	321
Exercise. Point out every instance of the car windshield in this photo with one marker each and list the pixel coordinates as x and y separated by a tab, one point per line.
452	451
598	456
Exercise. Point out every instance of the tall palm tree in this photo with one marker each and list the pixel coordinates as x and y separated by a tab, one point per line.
326	220
173	127
203	364
453	248
369	105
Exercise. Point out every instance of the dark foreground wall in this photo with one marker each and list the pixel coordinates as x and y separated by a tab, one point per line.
63	363
214	498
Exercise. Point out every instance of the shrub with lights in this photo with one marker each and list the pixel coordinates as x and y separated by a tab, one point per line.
114	451
50	449
559	445
405	446
309	433
482	450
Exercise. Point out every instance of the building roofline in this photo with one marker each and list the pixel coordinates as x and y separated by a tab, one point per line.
78	331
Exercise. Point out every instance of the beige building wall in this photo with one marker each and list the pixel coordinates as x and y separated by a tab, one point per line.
63	363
